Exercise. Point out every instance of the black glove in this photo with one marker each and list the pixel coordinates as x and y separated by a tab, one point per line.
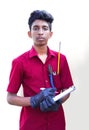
35	100
49	104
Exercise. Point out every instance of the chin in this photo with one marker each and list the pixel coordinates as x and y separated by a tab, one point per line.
41	44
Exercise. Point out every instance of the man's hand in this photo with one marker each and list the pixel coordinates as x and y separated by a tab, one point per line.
35	100
49	104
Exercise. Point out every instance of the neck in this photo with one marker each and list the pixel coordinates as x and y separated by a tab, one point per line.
41	50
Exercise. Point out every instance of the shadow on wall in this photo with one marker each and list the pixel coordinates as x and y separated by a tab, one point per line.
82	94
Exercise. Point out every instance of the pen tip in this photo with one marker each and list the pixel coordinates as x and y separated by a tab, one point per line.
59	45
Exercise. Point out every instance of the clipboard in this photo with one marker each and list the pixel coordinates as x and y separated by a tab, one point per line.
64	93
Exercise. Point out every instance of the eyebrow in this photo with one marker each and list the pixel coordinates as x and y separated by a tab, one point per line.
38	26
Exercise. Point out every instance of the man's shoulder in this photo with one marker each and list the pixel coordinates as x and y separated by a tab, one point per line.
56	53
22	57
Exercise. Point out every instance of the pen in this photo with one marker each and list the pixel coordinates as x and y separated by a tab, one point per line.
58	62
51	75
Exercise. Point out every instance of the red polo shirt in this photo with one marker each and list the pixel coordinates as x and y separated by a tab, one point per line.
29	71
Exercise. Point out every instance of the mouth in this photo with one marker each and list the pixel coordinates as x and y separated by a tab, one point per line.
40	38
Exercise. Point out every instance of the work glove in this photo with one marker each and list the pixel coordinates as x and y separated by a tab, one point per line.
35	100
49	104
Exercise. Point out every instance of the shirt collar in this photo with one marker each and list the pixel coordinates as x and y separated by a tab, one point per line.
33	52
50	52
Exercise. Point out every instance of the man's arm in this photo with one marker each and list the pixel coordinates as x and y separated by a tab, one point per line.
14	99
65	98
33	101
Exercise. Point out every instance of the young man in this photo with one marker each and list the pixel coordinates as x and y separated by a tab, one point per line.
37	69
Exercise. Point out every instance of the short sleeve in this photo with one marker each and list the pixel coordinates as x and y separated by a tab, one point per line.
15	78
65	74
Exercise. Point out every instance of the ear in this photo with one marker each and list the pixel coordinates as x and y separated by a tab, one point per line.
29	34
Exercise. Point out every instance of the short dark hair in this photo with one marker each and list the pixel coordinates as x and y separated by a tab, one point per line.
42	15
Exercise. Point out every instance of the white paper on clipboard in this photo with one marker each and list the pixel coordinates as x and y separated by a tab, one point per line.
64	93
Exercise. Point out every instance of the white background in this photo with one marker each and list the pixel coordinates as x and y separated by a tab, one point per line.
71	27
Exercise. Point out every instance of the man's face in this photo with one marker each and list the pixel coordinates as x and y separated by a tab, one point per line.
40	32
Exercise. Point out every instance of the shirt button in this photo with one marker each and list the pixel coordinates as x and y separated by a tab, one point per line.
46	81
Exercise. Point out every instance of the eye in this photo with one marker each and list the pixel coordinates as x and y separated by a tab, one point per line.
45	28
35	28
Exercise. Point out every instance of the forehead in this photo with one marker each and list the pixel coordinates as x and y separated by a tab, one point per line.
40	23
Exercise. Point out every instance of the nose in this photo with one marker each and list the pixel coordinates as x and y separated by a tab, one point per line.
40	31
